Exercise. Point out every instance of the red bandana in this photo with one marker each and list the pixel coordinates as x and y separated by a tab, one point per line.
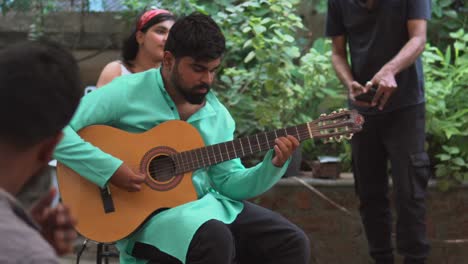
148	15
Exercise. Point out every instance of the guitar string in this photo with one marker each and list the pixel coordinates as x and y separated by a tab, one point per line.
199	163
196	162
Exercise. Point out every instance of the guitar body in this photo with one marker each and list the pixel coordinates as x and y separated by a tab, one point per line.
130	209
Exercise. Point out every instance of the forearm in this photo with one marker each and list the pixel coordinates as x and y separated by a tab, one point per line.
86	159
99	107
407	55
234	181
342	69
417	29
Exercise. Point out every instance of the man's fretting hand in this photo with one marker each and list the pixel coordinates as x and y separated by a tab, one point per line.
284	147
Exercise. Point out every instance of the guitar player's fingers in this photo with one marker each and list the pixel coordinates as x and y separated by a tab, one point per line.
283	149
137	179
126	179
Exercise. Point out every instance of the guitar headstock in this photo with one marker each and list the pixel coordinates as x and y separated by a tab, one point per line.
338	125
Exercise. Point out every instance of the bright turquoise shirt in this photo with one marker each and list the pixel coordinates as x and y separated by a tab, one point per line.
137	103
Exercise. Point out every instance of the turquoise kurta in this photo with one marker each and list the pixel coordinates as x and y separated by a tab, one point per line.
139	102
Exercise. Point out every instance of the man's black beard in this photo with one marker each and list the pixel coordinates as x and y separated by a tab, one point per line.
193	98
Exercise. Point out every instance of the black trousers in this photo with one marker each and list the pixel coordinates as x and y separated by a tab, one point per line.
397	137
258	235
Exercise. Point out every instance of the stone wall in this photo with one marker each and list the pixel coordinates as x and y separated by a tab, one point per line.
338	238
94	38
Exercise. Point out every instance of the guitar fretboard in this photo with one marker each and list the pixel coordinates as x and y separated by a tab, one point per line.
238	148
335	126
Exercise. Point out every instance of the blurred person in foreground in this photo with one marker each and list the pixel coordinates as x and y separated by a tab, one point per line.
40	90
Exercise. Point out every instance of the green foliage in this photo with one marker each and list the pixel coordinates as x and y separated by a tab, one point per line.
447	16
266	83
258	84
327	94
446	74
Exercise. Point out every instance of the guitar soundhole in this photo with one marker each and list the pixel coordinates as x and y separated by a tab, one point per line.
161	168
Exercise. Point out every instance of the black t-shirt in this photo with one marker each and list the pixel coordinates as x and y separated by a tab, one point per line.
375	37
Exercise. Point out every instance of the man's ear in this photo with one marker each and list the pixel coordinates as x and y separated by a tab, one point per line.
168	60
48	146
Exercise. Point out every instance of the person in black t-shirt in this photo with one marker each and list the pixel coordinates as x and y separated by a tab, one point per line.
385	40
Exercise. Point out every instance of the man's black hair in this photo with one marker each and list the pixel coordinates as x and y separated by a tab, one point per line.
40	89
196	36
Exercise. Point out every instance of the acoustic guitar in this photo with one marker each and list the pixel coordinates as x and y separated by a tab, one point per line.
168	154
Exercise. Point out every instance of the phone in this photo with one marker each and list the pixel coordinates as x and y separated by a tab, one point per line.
367	97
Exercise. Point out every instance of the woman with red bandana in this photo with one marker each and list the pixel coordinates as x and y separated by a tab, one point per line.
144	48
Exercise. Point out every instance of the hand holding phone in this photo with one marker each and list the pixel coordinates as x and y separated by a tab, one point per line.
367	97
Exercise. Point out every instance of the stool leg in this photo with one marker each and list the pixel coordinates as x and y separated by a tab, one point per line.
106	256
99	254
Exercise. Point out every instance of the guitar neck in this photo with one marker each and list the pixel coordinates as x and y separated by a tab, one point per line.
238	148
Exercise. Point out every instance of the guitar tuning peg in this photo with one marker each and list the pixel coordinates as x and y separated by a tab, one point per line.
334	112
349	136
341	110
321	115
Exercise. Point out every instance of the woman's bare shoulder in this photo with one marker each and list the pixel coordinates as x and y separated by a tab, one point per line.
111	70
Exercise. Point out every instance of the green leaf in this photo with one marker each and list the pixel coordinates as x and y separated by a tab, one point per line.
459	162
459	45
246	29
247	43
249	57
266	20
451	13
259	29
448	56
288	38
451	150
445	3
443	157
465	38
292	52
458	34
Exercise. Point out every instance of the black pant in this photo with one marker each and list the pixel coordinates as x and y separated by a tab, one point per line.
397	137
257	236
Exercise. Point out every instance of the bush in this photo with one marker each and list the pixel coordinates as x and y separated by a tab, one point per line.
446	74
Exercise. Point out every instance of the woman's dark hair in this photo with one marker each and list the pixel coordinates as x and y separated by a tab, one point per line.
130	45
196	36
